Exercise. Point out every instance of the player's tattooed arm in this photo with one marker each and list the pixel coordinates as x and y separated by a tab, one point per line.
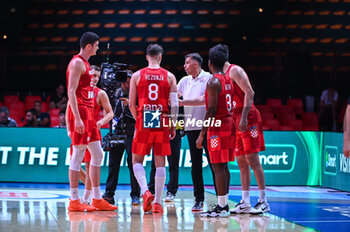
239	76
213	90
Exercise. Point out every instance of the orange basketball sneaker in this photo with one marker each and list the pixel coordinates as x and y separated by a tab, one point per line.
103	205
157	208
147	201
76	205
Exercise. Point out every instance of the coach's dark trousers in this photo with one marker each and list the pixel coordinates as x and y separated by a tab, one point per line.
197	160
115	156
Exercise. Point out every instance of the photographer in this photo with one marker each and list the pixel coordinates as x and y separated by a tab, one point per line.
125	119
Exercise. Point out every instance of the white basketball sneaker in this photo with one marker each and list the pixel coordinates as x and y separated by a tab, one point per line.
242	207
263	206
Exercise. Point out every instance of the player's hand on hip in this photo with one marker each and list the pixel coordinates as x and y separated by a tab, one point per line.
68	133
243	124
99	125
199	142
172	133
79	126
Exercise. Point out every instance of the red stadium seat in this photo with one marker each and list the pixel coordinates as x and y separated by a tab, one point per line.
262	108
297	104
284	110
274	104
310	121
271	124
44	107
29	101
54	112
17	110
267	115
296	124
9	99
55	121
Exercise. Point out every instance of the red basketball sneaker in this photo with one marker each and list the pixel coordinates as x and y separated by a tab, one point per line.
76	205
147	201
157	208
103	205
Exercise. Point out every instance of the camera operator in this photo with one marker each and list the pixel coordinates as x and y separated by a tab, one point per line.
117	149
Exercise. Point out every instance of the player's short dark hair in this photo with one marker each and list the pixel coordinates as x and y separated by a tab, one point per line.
196	57
217	56
4	109
154	50
37	101
95	67
226	50
88	38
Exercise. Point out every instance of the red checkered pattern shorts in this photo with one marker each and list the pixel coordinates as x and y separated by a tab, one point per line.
91	133
251	140
144	140
221	141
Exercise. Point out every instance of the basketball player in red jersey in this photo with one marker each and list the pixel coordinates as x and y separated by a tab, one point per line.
100	100
153	87
249	138
221	137
82	126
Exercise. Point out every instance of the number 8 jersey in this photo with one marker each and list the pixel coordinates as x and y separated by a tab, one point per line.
153	92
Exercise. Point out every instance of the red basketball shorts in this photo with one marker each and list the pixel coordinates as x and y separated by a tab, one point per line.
91	133
144	140
251	140
221	141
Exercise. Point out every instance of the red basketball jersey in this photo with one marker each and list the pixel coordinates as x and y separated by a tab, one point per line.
97	107
153	90
84	91
224	107
238	99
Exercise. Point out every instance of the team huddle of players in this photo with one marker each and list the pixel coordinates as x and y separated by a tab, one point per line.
228	99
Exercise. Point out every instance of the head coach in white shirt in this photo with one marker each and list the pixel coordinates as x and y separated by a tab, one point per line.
192	87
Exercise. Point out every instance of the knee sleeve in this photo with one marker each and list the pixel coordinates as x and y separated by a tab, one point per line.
96	153
77	157
161	172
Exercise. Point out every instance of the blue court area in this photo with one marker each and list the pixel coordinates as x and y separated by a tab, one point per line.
322	209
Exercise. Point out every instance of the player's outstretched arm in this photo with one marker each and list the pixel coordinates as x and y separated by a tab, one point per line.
239	76
102	100
133	93
213	88
76	68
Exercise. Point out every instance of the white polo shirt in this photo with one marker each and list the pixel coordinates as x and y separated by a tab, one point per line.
190	88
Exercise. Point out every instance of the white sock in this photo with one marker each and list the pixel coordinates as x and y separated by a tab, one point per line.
159	182
140	176
245	196
226	197
262	195
222	202
74	194
87	194
96	193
